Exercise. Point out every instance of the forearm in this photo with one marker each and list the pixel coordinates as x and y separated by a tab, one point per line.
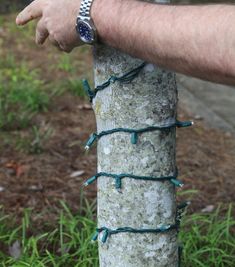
194	40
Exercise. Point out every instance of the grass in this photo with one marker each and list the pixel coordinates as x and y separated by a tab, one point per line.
76	88
67	243
65	63
72	86
25	90
24	94
21	94
34	141
207	239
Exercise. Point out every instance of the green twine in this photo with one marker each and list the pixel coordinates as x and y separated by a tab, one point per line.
107	232
125	78
135	132
118	178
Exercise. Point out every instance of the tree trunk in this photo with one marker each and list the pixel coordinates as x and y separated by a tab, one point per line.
149	100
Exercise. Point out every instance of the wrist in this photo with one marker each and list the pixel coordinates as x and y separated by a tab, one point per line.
85	27
104	14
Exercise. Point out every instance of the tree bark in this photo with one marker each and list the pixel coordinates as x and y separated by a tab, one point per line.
150	99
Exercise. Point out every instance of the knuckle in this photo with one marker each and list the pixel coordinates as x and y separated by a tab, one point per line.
46	19
52	34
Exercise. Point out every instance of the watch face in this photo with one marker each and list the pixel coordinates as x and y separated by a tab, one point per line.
85	31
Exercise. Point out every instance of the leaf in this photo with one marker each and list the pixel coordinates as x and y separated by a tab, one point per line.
77	173
208	208
15	250
85	107
18	168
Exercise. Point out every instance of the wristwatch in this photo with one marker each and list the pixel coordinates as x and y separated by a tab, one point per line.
85	26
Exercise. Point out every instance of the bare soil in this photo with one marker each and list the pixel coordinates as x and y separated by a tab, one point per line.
205	157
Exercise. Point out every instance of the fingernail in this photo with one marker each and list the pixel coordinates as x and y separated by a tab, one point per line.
18	22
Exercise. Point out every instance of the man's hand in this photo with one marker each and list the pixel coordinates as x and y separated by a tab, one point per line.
57	19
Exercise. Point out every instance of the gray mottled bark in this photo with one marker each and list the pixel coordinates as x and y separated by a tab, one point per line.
150	99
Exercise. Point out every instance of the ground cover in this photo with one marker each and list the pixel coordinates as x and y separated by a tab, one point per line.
45	120
208	240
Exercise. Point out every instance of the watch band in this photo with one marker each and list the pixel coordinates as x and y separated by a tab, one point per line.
85	26
85	8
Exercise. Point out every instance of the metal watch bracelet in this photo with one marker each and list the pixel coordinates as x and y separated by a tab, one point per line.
85	8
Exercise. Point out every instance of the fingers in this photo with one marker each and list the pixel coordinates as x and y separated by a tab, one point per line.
60	46
41	32
32	11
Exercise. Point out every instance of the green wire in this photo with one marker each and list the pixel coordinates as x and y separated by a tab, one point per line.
107	232
125	78
118	178
135	132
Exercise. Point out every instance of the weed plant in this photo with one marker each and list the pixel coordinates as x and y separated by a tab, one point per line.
72	86
21	94
208	240
34	143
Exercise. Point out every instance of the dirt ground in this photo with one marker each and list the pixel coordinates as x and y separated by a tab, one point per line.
206	161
